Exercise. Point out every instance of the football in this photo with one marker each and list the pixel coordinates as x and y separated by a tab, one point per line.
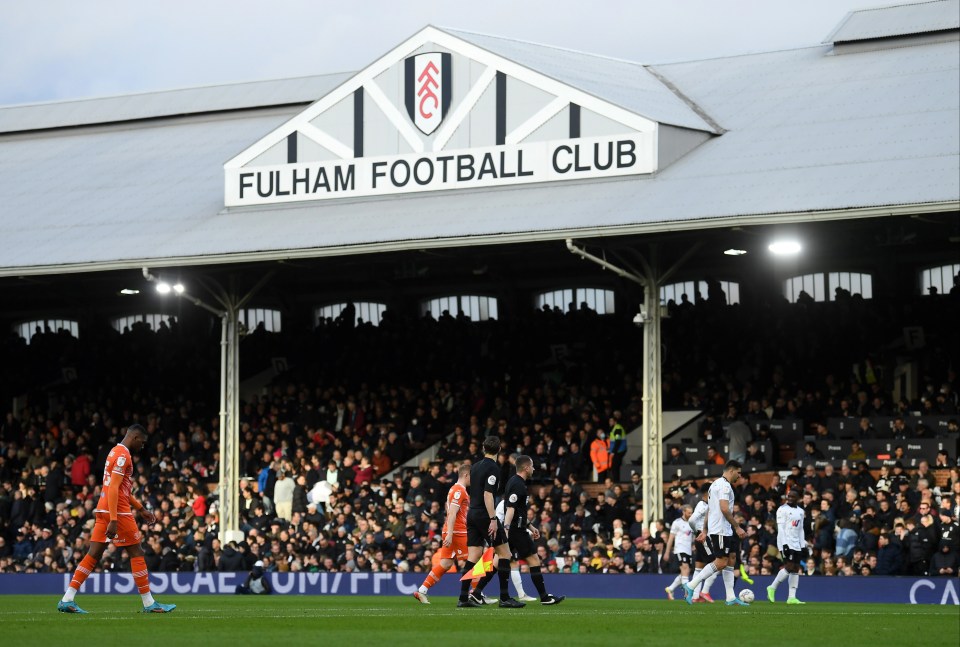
746	595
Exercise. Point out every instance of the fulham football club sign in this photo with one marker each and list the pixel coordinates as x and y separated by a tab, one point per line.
427	89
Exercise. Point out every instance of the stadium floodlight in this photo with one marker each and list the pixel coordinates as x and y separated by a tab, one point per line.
734	252
163	287
178	288
785	247
129	291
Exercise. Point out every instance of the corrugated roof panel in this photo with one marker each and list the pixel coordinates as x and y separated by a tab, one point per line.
628	85
897	20
170	103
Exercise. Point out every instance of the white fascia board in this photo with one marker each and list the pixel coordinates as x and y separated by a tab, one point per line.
489	239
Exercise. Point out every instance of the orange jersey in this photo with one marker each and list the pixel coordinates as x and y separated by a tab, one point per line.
458	497
119	465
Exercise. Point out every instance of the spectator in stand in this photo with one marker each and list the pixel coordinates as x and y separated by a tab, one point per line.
714	457
739	436
755	455
677	457
600	455
283	496
856	453
811	453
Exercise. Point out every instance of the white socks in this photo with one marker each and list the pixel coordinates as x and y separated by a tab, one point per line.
147	598
794	582
517	582
728	583
705	572
676	582
423	589
781	577
70	594
709	582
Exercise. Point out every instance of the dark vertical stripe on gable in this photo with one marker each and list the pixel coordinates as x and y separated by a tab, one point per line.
501	108
358	122
574	121
292	148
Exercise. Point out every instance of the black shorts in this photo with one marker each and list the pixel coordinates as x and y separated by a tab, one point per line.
794	556
684	558
723	545
521	544
478	525
702	552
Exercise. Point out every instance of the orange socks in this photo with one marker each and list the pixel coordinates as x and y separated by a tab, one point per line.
87	564
434	576
138	566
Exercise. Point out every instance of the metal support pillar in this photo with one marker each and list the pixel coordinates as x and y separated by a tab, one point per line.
649	318
652	457
652	429
229	483
228	486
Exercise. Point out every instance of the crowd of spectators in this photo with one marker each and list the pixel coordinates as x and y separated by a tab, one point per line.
317	447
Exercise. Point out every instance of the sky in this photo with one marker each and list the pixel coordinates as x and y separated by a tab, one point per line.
53	50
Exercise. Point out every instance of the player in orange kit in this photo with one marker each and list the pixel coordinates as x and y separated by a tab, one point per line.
115	523
454	548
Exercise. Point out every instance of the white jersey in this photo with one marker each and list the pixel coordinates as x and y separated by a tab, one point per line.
790	527
720	490
696	519
501	511
682	536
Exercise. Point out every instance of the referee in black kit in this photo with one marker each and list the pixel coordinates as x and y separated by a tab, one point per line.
484	528
520	535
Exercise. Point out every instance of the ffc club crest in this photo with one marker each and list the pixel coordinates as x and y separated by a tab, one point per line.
427	89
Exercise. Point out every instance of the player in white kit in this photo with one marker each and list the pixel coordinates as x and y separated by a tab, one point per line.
702	556
792	545
681	541
723	532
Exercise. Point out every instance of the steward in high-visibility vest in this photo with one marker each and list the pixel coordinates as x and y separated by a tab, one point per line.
600	455
618	447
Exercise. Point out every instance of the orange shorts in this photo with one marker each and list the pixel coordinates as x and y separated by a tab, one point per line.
457	550
128	533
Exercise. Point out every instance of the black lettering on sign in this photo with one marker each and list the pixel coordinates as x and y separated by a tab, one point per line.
377	172
577	166
245	183
279	190
596	156
556	157
321	182
301	180
503	165
423	178
625	151
264	193
465	170
406	173
520	170
343	181
487	167
443	159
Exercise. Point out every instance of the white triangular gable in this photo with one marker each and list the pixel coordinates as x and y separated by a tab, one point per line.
315	154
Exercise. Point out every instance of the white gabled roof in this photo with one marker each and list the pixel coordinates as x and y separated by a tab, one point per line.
808	135
897	20
628	85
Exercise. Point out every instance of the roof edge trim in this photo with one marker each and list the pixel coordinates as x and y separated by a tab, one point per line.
490	239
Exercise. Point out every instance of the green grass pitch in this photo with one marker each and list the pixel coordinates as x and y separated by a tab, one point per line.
243	621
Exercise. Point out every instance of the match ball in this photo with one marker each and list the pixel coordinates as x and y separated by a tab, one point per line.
746	596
